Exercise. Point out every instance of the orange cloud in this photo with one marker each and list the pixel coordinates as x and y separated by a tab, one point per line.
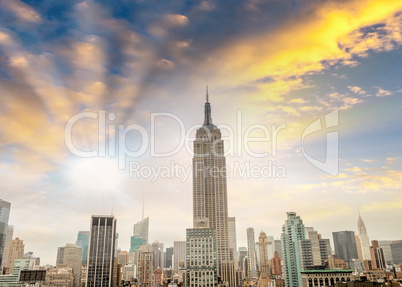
23	11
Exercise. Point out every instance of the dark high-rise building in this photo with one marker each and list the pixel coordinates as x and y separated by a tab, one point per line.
83	242
168	257
345	245
101	251
60	255
396	250
4	216
278	247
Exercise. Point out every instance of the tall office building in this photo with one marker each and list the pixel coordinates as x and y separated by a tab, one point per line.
232	236
72	257
169	257
386	248
345	245
278	247
135	243
377	255
101	251
179	253
359	248
292	231
210	190
158	255
141	229
252	254
276	265
9	237
144	267
15	251
257	252
60	255
83	242
314	250
4	216
122	258
201	255
263	247
271	246
364	239
396	250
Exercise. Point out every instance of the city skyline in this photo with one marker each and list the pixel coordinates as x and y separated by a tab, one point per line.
262	68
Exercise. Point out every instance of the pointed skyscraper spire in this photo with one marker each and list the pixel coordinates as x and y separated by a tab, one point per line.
143	204
207	111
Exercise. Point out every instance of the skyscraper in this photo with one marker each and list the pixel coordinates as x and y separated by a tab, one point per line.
345	245
232	236
271	246
276	265
386	248
314	250
168	257
4	216
144	267
263	246
9	237
377	256
201	255
396	250
83	242
292	231
15	251
364	239
141	229
252	254
158	255
278	247
101	251
135	243
359	248
179	253
210	190
72	257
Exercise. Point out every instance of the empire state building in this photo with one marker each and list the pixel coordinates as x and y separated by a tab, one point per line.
210	190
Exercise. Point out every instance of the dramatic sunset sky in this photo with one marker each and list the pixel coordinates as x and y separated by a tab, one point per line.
275	62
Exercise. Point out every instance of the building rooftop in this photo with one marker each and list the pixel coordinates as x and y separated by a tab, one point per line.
328	271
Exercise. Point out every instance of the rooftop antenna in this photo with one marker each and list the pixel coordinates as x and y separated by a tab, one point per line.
112	211
143	208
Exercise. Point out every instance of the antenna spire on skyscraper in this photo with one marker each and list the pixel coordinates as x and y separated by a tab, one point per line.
143	204
207	110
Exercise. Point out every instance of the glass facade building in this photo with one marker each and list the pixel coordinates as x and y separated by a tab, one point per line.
4	216
292	231
141	229
83	242
345	245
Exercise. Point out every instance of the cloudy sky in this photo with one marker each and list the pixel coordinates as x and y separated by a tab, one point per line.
275	65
